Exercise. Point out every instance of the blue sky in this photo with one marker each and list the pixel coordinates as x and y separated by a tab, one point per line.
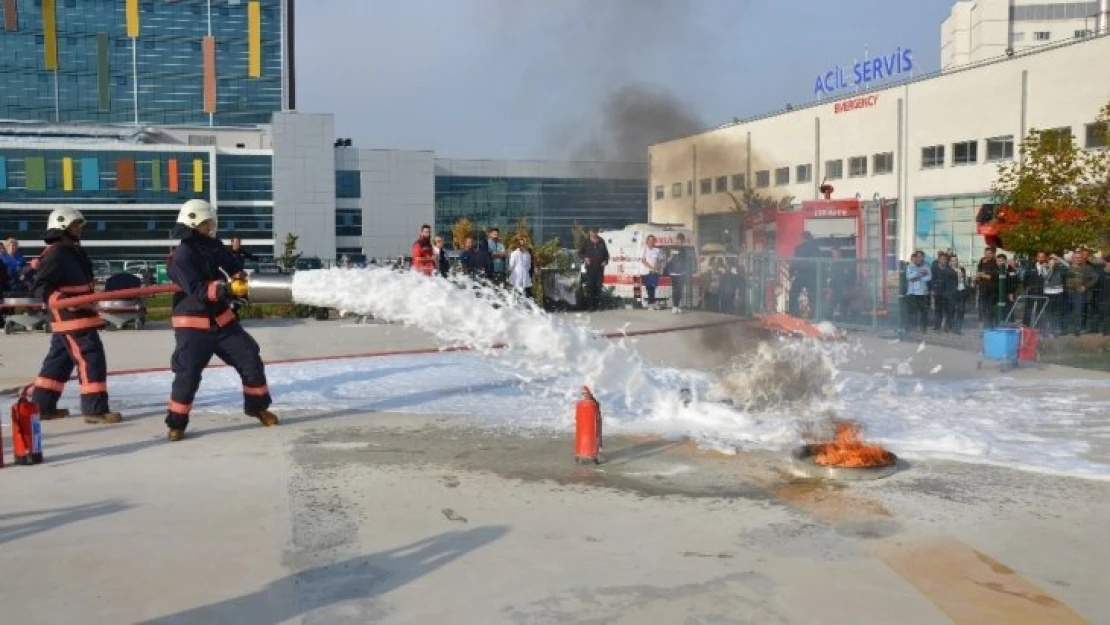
530	78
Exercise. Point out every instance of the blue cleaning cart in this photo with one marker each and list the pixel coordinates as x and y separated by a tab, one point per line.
1003	344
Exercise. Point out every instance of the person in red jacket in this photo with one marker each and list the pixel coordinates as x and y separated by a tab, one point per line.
423	257
65	270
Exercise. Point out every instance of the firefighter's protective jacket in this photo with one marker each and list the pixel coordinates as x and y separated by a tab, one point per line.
202	303
66	271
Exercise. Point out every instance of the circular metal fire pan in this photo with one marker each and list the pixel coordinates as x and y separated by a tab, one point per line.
805	466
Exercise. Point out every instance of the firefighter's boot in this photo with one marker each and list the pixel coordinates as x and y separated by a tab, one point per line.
107	417
267	418
58	413
176	434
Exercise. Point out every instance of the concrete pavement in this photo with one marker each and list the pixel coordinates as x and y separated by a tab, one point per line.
397	518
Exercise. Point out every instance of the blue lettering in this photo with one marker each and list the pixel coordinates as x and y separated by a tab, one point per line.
890	64
881	67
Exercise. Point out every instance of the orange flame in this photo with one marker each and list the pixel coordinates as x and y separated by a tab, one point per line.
849	450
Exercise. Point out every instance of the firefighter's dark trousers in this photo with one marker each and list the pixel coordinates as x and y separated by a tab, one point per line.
195	349
84	351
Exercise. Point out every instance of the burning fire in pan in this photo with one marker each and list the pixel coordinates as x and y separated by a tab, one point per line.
847	449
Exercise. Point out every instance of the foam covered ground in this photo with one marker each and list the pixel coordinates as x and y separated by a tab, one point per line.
1007	422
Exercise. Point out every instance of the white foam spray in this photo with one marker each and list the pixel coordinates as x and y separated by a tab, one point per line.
464	313
1051	429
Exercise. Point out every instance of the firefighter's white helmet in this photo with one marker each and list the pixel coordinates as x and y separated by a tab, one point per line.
195	212
62	218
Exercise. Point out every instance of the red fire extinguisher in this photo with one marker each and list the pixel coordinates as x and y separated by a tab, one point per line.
26	430
587	428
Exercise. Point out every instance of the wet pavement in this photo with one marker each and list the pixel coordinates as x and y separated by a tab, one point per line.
402	518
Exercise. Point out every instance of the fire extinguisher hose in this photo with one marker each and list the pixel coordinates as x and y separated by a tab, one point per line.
136	293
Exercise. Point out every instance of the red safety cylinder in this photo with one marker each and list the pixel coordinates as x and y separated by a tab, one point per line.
587	428
26	431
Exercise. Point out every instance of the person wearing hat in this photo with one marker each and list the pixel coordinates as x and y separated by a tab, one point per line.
203	322
65	271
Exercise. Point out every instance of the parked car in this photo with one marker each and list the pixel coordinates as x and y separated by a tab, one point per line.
308	264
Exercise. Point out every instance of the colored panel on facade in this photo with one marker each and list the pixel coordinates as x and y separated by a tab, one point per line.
90	174
174	179
49	35
156	174
125	174
35	168
3	173
209	74
103	73
198	175
11	19
133	18
67	174
254	39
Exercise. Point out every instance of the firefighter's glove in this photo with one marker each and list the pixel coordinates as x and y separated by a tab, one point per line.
237	289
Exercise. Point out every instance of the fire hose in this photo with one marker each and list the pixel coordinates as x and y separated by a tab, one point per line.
256	289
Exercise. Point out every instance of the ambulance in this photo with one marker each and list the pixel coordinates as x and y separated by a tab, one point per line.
624	273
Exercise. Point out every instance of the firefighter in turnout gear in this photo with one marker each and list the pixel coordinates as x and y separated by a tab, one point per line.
203	322
66	271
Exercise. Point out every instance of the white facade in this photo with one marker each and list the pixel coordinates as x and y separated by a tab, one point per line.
979	30
940	137
397	197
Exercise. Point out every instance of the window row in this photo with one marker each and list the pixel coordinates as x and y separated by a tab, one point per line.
1097	136
1002	148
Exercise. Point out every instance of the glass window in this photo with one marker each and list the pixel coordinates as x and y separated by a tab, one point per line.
782	176
965	153
932	157
882	163
762	179
803	173
722	184
660	192
676	189
348	222
1062	134
1042	35
167	61
834	170
705	187
857	166
552	206
348	184
738	182
1097	135
1000	148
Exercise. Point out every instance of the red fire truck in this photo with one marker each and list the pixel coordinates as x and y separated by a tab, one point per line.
845	224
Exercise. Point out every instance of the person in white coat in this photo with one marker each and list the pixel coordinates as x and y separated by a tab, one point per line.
651	262
520	268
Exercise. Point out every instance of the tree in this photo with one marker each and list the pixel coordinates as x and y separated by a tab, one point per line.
1057	196
1049	197
544	255
460	231
290	256
1098	194
577	235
